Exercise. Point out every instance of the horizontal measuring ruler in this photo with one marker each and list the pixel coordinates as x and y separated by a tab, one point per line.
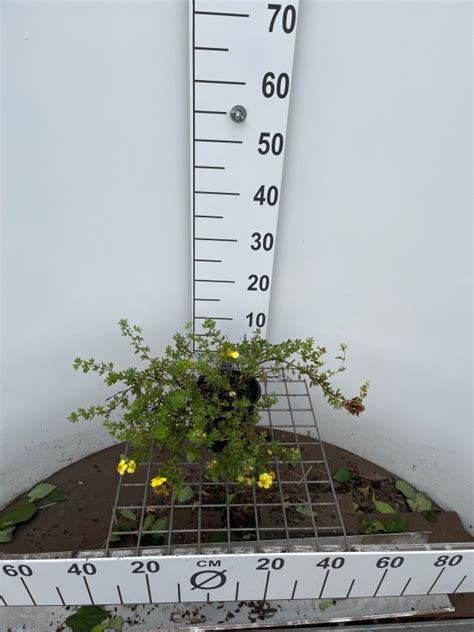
241	76
234	577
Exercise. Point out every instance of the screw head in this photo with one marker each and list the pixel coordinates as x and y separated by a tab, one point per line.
238	114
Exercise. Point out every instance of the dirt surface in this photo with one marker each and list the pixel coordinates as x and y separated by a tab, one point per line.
82	521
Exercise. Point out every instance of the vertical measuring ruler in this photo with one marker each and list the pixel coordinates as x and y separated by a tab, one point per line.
241	75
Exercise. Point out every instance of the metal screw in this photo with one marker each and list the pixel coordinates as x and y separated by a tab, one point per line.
238	114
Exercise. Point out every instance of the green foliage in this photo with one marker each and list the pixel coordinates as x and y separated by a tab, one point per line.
417	501
6	535
369	526
128	513
86	618
40	491
383	507
186	401
183	494
17	513
342	475
420	503
406	489
306	510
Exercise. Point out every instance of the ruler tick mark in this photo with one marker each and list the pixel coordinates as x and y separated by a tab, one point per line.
294	589
28	591
208	112
216	193
60	596
405	587
224	14
148	587
324	584
211	48
213	318
213	281
380	582
209	261
88	590
237	591
214	239
266	586
350	588
208	299
459	585
218	140
120	594
208	598
211	217
221	82
207	167
179	592
435	581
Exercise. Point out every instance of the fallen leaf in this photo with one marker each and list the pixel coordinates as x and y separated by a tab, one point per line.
342	475
6	535
40	491
406	489
86	618
20	512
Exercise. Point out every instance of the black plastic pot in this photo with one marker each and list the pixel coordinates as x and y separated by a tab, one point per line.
253	393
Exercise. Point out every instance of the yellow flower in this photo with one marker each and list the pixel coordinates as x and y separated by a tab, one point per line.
265	480
122	466
211	464
233	354
158	481
126	465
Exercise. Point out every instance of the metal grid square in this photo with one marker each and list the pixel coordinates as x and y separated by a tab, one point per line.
303	506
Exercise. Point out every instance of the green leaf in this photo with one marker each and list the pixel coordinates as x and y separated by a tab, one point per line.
382	507
367	527
40	491
305	510
128	513
342	475
420	503
86	618
115	624
6	535
406	489
56	496
230	498
431	515
326	604
161	524
149	522
218	536
397	525
184	494
20	512
115	537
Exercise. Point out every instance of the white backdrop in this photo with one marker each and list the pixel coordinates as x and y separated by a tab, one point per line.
374	246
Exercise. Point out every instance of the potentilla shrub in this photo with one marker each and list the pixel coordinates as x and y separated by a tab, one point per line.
207	403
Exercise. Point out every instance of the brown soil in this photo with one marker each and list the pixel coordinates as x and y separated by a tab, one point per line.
82	521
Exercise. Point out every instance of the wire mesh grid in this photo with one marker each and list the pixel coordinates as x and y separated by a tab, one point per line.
300	506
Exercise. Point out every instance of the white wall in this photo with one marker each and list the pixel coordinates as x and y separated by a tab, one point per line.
375	225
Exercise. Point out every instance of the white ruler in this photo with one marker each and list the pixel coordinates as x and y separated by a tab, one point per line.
198	578
241	74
